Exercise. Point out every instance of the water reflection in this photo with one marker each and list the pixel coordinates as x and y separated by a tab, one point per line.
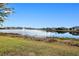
41	33
61	32
74	33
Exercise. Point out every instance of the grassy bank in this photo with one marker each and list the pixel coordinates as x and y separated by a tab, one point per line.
17	45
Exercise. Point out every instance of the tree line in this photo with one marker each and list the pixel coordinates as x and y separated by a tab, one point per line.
75	28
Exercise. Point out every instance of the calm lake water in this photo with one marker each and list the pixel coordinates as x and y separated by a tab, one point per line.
42	34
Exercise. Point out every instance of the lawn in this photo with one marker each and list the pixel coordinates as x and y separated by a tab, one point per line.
17	46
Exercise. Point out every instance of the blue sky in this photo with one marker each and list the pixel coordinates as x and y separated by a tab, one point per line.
44	15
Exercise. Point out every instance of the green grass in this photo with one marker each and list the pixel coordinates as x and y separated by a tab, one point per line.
25	46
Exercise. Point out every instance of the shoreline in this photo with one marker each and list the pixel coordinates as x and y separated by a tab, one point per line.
16	44
68	41
19	35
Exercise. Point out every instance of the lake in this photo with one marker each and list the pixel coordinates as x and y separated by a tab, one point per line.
42	33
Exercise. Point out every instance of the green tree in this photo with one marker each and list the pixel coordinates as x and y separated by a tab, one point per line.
4	12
